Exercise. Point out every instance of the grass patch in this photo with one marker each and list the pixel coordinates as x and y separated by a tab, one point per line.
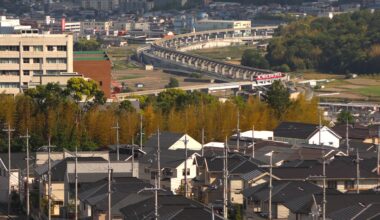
132	76
369	91
235	52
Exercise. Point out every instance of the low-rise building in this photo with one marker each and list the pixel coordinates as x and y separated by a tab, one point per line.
27	60
206	25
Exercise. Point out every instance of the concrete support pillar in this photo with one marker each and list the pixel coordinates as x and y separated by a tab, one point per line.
195	62
209	67
223	70
236	74
216	68
177	58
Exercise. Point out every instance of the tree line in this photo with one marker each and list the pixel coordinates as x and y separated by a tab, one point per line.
348	43
51	112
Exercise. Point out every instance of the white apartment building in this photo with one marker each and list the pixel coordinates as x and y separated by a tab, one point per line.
11	26
206	25
27	60
72	27
92	27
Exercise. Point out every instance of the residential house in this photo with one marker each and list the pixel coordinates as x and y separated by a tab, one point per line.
257	197
302	133
89	169
17	175
125	191
172	160
172	207
341	173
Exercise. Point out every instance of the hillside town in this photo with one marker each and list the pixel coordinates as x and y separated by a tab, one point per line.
182	109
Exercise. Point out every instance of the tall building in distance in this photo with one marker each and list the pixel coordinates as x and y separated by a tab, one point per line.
27	60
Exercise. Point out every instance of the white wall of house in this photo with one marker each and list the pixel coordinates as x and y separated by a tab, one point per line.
282	211
192	144
328	138
175	183
235	188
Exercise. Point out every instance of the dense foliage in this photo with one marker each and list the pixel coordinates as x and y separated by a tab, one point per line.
50	111
87	45
347	43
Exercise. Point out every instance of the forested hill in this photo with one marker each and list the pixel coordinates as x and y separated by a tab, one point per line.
348	43
283	2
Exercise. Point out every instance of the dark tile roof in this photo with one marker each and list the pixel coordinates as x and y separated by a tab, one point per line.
124	192
17	159
359	133
167	139
169	207
190	213
366	150
58	168
168	158
282	191
334	169
294	130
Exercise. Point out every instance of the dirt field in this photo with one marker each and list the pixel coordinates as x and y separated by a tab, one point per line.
366	89
155	79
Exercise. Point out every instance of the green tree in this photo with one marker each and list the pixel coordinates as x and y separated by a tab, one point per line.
86	45
253	58
173	82
278	98
81	89
345	116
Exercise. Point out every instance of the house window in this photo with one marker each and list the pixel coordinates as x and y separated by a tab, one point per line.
37	48
50	48
332	184
146	170
187	173
26	72
349	184
25	60
153	175
26	48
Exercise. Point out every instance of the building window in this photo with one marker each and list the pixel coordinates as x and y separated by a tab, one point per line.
349	184
153	175
37	60
26	60
38	48
9	60
9	48
61	48
50	48
56	60
37	72
331	184
53	72
187	173
25	48
146	170
9	85
10	72
26	72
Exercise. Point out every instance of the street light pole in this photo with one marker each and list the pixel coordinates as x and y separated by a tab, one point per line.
9	130
27	173
117	139
225	181
141	131
238	131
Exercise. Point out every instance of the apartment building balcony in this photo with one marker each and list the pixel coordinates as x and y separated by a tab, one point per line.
9	78
9	54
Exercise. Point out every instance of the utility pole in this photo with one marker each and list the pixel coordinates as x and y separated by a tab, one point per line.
270	185
49	178
347	138
203	141
323	169
27	173
378	150
158	160
117	139
109	190
357	160
9	130
225	182
270	166
185	173
76	173
141	130
238	131
253	141
155	189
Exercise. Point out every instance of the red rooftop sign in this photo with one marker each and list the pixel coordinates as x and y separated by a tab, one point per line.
269	76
